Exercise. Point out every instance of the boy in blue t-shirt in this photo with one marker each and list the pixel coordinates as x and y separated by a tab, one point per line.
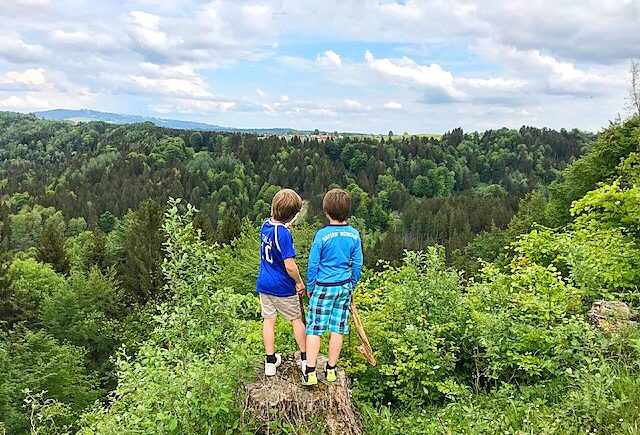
335	263
279	282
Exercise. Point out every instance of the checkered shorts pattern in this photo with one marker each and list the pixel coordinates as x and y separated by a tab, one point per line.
329	309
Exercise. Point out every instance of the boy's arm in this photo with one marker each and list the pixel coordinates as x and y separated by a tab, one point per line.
356	263
312	266
284	243
293	271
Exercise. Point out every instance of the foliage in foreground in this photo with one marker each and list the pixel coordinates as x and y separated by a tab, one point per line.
517	352
184	378
509	351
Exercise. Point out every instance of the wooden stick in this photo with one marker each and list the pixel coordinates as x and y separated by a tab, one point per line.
365	348
304	319
302	211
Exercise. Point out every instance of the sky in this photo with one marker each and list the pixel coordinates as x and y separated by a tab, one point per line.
371	66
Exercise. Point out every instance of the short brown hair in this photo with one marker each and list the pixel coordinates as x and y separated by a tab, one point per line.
337	204
285	204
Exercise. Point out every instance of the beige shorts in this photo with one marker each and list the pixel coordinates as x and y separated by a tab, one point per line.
288	306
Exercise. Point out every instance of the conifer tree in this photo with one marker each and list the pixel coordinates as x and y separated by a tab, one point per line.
51	249
228	226
141	269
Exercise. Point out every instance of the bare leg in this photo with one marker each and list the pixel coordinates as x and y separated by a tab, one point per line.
269	336
313	347
299	333
335	345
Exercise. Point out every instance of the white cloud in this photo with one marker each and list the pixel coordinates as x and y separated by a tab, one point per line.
352	104
173	86
405	69
144	29
392	105
25	102
493	83
39	3
74	37
296	62
260	93
189	106
543	60
27	77
590	29
329	59
409	11
15	50
323	112
179	80
215	34
555	75
94	39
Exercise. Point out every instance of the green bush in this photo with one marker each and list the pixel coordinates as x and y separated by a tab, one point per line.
184	378
38	363
526	325
415	317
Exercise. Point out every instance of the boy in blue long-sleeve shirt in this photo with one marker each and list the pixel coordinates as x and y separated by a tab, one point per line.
335	263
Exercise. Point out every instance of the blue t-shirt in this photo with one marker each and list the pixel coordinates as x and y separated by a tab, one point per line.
276	245
335	257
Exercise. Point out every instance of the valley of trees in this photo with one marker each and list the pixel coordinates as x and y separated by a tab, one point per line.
421	190
126	311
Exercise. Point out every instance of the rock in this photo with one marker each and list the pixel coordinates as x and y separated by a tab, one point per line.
611	315
283	398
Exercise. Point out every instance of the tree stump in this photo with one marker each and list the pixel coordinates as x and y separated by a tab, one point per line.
282	397
611	315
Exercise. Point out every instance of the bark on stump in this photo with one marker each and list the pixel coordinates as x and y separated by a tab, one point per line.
611	315
282	397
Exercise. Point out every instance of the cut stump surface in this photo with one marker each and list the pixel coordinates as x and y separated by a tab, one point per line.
284	398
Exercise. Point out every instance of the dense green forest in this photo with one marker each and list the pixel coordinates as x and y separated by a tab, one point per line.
126	311
421	190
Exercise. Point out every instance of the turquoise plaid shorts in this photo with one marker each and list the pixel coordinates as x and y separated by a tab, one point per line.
329	309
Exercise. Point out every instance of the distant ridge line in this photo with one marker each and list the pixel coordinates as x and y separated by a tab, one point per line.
85	115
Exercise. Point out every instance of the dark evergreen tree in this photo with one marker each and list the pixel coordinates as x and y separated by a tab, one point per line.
95	252
202	222
228	226
51	249
141	271
106	222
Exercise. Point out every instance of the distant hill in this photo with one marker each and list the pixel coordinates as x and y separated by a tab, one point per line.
116	118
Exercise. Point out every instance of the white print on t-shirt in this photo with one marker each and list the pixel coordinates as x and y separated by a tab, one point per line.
266	249
340	233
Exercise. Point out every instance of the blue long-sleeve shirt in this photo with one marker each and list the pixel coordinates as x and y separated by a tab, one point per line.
335	258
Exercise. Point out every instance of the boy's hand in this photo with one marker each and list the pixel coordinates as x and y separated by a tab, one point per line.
300	288
289	224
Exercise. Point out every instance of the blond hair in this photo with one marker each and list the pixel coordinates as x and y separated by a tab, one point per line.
285	204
